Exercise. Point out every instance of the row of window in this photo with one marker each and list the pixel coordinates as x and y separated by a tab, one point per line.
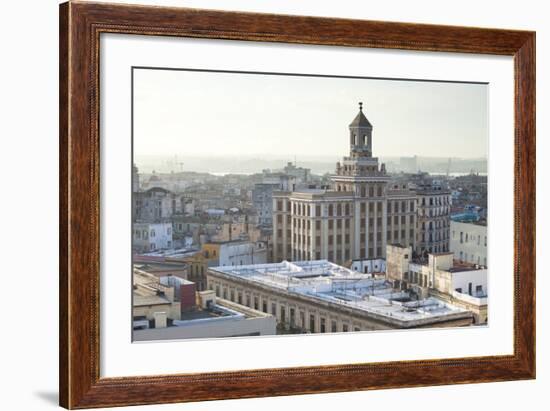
287	317
145	234
435	201
472	238
472	258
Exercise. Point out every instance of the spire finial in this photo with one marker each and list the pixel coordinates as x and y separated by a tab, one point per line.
360	106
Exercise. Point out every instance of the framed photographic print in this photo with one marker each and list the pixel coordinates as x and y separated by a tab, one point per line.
259	205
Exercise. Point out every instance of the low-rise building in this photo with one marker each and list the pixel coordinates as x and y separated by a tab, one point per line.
151	236
460	284
236	253
322	297
154	304
212	317
160	266
469	242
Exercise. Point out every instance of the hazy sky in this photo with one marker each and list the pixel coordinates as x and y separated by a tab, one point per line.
200	114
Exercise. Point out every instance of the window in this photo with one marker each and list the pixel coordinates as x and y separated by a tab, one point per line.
312	323
333	326
274	309
323	327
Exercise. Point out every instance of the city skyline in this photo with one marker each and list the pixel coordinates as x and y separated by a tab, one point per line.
183	112
254	243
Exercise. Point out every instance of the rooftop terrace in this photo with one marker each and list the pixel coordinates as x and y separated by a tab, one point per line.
328	282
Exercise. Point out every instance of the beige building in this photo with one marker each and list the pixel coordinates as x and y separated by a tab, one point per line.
322	297
213	318
469	242
362	211
153	302
440	276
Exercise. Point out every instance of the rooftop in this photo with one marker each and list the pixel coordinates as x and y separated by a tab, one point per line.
328	282
221	311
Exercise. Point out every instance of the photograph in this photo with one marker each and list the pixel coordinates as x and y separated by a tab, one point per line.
267	204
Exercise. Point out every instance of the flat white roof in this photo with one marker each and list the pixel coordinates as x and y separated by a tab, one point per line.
330	282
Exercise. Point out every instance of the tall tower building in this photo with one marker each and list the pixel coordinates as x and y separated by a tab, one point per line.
361	174
355	219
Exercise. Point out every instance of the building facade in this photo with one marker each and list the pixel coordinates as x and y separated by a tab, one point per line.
434	222
469	242
322	297
361	212
151	237
262	201
440	276
156	204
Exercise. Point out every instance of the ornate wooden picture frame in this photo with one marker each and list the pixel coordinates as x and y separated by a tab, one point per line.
81	24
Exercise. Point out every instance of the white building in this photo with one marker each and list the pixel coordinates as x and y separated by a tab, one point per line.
213	319
440	276
469	242
322	297
373	266
236	253
151	237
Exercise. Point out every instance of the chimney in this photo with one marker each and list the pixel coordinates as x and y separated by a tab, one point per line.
160	320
